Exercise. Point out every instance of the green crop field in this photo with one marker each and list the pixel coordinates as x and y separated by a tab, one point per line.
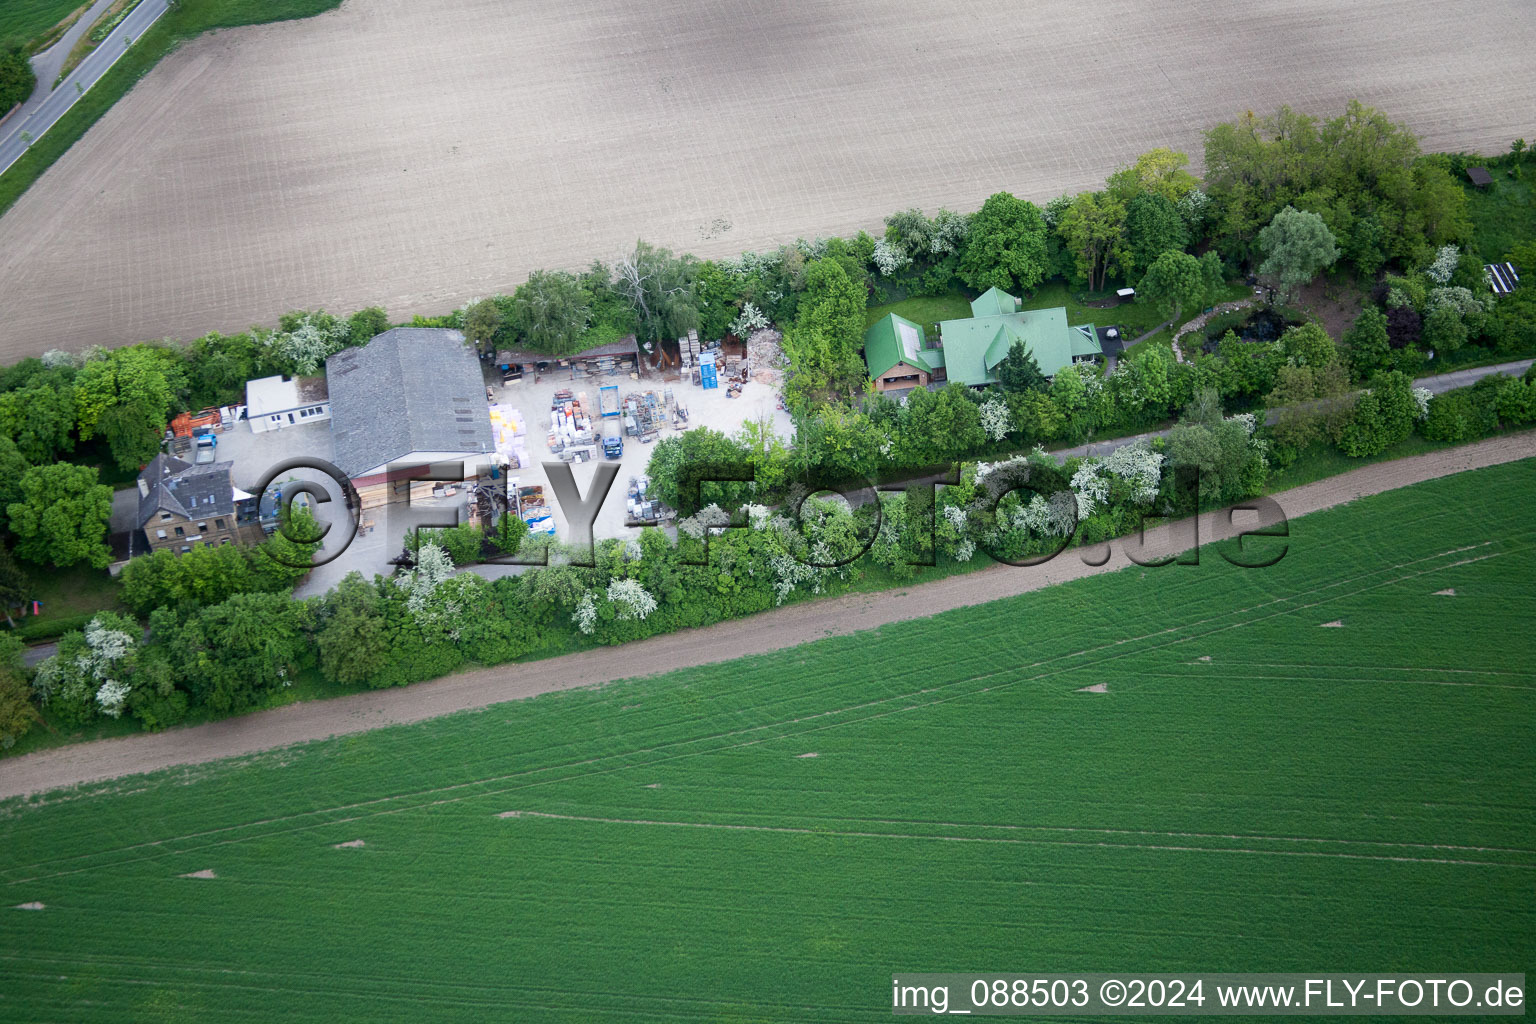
771	839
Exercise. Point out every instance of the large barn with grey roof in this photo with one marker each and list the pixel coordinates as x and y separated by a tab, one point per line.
411	397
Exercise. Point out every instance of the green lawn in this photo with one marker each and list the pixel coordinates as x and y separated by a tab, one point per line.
1252	792
29	21
926	312
68	593
189	18
1504	213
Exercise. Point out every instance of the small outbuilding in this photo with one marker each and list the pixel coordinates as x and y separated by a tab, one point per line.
272	403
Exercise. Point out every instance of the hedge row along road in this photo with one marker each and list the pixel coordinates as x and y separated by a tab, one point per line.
770	631
417	155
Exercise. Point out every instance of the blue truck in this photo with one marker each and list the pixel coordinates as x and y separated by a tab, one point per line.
613	440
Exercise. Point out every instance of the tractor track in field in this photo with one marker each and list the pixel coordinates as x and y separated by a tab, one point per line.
757	634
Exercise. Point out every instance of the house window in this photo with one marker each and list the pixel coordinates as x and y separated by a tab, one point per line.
180	532
219	523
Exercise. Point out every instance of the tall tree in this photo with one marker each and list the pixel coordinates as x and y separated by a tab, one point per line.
1153	226
1160	172
1174	283
1368	346
1004	245
1020	371
1093	229
550	311
1297	246
481	322
127	396
659	287
40	419
61	517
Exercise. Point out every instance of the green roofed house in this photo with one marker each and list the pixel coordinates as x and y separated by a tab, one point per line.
969	350
898	356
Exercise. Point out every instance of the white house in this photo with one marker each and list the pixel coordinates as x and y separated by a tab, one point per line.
272	403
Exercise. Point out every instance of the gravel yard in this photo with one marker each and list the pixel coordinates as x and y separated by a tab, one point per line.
419	154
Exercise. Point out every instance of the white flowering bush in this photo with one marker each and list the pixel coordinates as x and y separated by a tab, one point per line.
995	421
112	698
1458	298
1421	398
709	517
1055	516
1194	206
949	231
1091	488
585	615
757	515
889	259
631	600
306	347
1141	468
87	676
433	568
789	573
751	320
1444	266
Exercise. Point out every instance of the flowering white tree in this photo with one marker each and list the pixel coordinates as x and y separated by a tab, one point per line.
1090	486
949	231
585	615
1444	266
306	347
631	599
1458	298
889	259
1141	467
112	698
86	676
995	421
750	321
1421	398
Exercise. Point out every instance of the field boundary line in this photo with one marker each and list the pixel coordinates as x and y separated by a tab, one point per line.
1011	841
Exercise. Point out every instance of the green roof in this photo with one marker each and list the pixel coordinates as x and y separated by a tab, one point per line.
994	302
896	339
972	348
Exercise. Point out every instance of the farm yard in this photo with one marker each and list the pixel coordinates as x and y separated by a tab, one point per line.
769	839
537	135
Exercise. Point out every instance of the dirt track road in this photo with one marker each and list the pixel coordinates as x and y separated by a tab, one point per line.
419	153
769	631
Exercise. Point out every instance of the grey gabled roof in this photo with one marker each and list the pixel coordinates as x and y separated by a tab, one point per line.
176	485
411	389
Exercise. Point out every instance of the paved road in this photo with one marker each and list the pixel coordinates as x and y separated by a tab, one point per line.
757	634
45	112
1438	384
